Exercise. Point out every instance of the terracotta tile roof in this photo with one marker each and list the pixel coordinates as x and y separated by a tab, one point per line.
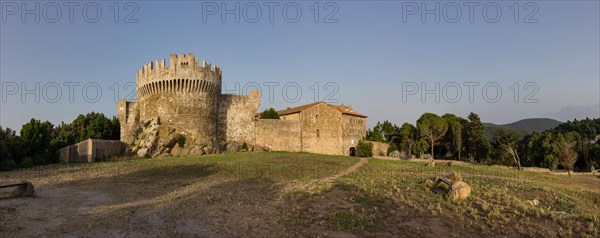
292	110
342	108
348	110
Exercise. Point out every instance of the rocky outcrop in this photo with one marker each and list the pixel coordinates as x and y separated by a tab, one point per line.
152	139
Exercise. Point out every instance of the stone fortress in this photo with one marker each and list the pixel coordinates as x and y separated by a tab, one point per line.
180	111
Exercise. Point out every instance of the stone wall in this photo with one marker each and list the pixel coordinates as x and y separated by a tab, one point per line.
321	130
189	113
235	121
278	135
379	148
92	150
129	118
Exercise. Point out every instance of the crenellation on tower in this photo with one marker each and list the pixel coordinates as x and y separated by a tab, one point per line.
184	94
184	66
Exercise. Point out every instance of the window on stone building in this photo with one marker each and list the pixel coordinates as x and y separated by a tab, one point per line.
318	134
316	118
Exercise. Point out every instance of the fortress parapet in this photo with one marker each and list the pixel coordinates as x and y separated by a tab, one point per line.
184	73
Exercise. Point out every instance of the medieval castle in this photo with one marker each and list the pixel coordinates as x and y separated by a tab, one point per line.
180	111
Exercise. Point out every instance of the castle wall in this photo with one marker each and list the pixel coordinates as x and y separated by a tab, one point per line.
129	117
235	120
278	135
189	113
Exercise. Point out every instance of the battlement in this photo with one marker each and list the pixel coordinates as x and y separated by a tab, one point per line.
182	68
179	65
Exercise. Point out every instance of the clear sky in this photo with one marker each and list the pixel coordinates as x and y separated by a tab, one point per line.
376	56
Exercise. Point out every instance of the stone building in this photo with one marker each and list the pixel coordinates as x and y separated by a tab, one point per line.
317	127
92	150
180	111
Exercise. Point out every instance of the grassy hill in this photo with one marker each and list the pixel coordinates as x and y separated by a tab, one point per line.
522	127
280	194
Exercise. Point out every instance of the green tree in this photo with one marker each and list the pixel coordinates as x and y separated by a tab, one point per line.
376	134
456	129
6	159
391	148
270	113
478	146
551	161
36	136
432	127
505	145
420	147
364	149
92	125
409	136
389	130
564	149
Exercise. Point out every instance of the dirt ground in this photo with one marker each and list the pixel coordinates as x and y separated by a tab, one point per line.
177	201
197	200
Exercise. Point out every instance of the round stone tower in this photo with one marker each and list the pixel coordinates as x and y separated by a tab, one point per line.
183	94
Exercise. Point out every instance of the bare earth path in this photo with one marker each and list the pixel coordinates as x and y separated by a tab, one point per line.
330	179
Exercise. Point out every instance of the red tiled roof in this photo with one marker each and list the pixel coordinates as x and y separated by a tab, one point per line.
348	110
292	110
343	109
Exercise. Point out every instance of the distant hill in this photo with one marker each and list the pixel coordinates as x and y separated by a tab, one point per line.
522	127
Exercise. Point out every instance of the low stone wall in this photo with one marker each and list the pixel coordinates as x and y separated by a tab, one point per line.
92	150
278	135
379	148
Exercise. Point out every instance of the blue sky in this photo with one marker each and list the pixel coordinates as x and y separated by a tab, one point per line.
368	59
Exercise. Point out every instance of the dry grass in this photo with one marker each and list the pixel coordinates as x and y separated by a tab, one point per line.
247	194
393	193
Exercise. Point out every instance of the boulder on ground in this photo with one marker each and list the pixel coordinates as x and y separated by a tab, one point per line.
459	190
394	153
533	202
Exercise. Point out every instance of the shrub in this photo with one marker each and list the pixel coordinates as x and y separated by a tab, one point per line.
7	165
181	141
391	149
269	114
137	133
364	149
245	146
27	162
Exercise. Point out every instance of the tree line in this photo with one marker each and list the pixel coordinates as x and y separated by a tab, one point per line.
39	141
570	145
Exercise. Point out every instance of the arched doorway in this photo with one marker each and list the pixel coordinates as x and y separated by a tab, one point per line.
352	151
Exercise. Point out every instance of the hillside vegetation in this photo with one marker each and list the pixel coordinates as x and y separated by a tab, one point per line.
280	194
522	127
